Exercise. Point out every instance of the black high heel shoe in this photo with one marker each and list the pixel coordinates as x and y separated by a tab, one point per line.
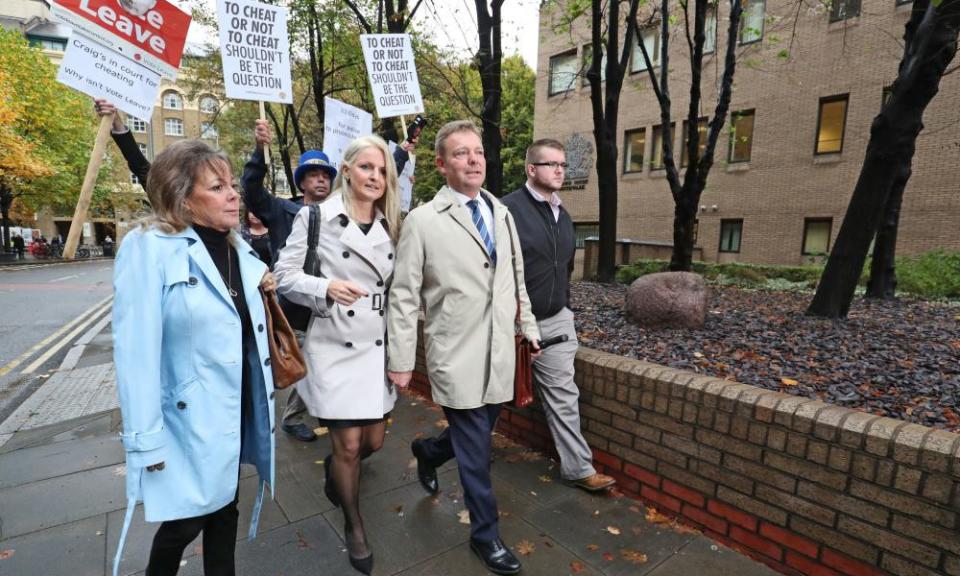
328	482
364	565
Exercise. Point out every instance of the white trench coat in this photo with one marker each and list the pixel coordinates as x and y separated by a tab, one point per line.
345	346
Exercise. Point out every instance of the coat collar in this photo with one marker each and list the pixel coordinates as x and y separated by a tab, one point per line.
251	267
446	201
363	245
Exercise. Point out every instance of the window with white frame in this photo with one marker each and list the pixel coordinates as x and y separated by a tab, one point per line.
588	62
563	72
143	149
651	41
136	124
751	24
172	100
173	127
209	104
710	31
208	131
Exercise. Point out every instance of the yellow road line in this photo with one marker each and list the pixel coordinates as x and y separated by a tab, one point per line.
39	345
67	339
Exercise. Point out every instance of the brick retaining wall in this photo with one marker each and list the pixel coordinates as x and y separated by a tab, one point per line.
804	486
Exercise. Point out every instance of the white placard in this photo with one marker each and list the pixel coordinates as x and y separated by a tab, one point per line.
406	184
102	73
393	74
341	124
255	51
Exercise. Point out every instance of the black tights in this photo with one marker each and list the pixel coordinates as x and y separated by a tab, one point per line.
219	542
350	446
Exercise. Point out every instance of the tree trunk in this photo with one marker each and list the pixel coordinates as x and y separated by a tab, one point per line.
684	219
489	59
883	271
893	136
6	201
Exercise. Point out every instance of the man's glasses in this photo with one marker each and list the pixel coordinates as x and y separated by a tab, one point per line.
552	165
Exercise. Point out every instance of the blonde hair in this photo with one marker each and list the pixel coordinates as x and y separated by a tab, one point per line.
389	202
172	177
451	128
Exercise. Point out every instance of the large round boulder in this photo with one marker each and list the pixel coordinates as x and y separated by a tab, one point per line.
668	300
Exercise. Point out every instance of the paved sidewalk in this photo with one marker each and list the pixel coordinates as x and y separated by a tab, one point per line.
62	505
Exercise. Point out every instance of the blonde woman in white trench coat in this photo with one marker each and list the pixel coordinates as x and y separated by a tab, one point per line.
345	346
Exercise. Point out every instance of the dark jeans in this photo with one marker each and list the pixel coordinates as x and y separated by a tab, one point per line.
219	541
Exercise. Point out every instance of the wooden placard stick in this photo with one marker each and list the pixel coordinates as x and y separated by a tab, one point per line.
266	149
86	191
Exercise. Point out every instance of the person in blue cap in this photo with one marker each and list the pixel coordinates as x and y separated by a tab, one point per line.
313	177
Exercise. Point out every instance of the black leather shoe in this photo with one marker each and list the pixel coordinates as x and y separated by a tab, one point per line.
495	556
426	473
364	565
328	482
301	432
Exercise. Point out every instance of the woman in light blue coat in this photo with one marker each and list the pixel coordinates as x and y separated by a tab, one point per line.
192	361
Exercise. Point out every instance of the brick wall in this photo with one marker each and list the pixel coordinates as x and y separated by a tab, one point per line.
804	486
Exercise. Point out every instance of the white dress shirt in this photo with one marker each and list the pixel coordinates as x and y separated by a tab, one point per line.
554	201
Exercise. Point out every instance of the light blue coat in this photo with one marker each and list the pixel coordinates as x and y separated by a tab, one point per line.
178	351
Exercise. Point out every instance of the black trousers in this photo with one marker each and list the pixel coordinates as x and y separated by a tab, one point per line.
219	542
468	439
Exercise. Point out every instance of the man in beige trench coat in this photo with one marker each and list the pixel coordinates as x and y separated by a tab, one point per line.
459	257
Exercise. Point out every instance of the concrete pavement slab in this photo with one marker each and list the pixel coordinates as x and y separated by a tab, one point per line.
74	549
60	500
83	427
703	556
612	526
136	551
58	459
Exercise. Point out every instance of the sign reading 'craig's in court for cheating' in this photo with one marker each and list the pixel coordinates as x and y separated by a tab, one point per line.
153	38
255	51
393	74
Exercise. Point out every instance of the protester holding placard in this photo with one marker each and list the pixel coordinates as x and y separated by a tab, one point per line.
195	393
346	385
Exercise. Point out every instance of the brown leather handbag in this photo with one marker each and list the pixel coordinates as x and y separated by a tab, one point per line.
286	359
523	370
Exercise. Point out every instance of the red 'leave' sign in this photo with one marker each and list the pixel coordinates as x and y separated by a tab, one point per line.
154	38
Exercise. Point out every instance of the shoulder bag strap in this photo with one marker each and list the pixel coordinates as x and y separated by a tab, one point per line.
311	264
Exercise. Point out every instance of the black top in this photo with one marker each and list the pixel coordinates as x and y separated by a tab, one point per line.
548	247
365	227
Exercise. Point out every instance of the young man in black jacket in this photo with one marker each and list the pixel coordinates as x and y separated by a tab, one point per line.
547	240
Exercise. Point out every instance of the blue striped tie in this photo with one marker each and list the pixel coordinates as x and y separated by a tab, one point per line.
482	228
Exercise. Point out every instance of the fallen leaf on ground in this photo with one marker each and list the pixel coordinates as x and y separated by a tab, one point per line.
320	431
788	382
545	479
412	464
576	566
441	423
593	547
6	554
613	530
596	513
633	556
655	517
398	509
464	516
525	547
608	556
634	509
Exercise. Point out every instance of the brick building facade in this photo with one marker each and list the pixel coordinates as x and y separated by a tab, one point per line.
807	86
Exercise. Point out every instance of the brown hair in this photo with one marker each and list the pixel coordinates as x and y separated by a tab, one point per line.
534	150
172	177
451	128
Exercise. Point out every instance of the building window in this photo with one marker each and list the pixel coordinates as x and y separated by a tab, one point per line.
830	124
656	154
143	148
701	141
563	72
209	104
903	2
208	131
584	230
741	136
651	41
696	230
173	126
887	92
587	61
134	179
844	9
710	31
136	124
816	236
751	26
633	144
730	232
172	100
52	44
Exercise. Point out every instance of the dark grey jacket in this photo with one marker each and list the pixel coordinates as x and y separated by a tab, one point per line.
548	248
